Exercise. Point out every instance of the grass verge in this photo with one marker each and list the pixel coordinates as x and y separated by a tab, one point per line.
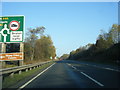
8	66
9	81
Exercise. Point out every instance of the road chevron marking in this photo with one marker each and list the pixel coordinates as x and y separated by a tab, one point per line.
35	77
92	79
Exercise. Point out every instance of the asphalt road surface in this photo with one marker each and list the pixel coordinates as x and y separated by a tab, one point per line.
73	74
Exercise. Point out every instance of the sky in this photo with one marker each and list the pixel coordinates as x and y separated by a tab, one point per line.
70	24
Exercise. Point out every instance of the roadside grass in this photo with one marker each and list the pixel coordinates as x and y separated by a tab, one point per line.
8	66
12	80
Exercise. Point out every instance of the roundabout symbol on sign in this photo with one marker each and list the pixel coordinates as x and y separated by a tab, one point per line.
14	25
3	34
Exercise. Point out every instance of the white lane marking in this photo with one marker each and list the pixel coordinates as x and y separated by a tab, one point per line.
92	79
103	68
74	67
109	69
112	69
68	64
35	77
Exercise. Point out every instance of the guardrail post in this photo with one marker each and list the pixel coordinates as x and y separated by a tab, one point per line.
26	70
11	75
34	68
30	69
20	72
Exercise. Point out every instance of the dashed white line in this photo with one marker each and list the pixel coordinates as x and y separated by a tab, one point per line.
104	68
35	77
92	79
109	69
74	67
89	76
68	64
112	69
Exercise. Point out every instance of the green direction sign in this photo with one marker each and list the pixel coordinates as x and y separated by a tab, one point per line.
11	28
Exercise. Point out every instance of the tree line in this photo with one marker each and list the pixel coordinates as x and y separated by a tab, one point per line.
37	46
106	47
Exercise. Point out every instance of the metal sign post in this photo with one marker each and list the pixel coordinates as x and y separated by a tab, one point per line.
3	50
21	50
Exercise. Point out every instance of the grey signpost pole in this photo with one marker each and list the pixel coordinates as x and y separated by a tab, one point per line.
3	50
2	63
22	51
0	67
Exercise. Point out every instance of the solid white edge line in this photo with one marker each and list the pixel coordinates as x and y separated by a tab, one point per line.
92	79
35	77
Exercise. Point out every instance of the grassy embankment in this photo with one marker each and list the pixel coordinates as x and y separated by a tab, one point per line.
108	56
11	80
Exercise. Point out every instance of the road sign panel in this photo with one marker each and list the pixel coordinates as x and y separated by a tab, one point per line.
11	28
11	56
